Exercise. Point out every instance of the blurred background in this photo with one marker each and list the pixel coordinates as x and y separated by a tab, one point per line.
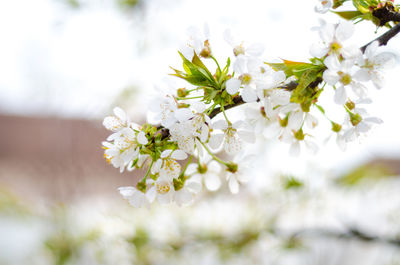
66	63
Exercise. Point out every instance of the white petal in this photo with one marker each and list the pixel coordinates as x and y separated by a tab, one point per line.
240	65
350	134
340	95
341	142
351	52
216	140
371	49
280	97
187	52
294	149
318	50
233	185
220	125
228	37
249	94
127	191
362	75
166	153
193	185
183	114
344	30
295	120
232	86
363	127
313	147
142	138
120	113
179	155
247	136
199	107
151	194
332	62
255	49
183	197
164	198
212	181
311	121
137	200
232	144
374	120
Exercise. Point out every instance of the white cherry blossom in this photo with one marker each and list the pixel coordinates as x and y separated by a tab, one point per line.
374	63
198	43
161	189
323	6
252	50
135	197
116	122
231	136
242	173
344	74
248	72
333	37
185	195
299	140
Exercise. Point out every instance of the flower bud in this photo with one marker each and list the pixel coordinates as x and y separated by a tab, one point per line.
206	52
182	92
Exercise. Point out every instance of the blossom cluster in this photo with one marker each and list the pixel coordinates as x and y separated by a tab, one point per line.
193	124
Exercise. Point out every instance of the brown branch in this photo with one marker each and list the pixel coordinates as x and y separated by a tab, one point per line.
352	233
386	14
385	38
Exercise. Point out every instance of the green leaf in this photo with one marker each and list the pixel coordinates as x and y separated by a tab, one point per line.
292	68
303	92
196	73
364	5
348	15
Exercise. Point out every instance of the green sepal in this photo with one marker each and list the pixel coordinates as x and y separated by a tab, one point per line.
349	15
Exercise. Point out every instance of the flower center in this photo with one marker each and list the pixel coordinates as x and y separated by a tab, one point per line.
335	47
246	79
163	187
238	50
345	79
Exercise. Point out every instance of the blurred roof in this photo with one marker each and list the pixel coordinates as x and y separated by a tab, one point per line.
56	159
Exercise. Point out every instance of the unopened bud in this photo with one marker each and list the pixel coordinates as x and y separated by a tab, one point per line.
206	52
182	92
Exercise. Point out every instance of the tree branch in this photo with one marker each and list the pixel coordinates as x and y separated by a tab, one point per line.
386	14
351	233
384	39
389	15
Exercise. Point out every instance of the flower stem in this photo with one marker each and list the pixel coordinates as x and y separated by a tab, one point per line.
226	117
216	62
187	164
214	156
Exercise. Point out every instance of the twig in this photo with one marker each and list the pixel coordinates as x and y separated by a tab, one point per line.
384	39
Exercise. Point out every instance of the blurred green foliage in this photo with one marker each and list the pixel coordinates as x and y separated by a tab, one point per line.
372	172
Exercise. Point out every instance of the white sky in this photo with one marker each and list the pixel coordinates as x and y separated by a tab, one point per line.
73	63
